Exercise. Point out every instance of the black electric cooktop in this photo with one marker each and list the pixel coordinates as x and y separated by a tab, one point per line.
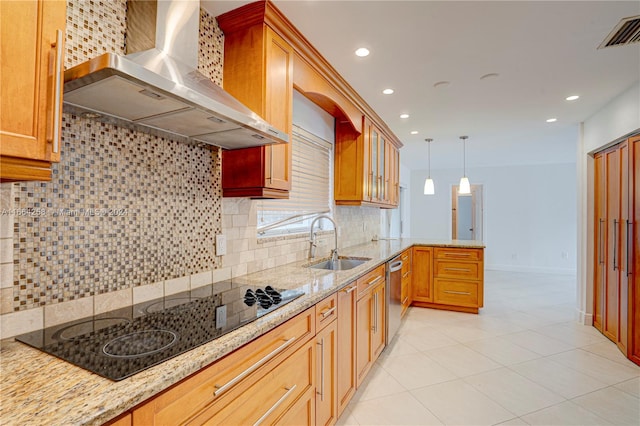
120	343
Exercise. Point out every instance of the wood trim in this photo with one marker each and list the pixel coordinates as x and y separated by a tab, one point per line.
265	11
445	307
22	169
259	192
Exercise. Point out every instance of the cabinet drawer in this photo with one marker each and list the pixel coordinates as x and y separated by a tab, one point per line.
221	382
459	293
366	282
270	397
452	269
457	254
326	311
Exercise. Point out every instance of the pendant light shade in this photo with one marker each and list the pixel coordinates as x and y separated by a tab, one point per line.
429	188
465	186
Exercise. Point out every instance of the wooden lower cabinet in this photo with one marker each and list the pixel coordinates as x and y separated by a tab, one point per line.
370	321
270	397
275	370
448	278
405	291
326	375
421	271
346	352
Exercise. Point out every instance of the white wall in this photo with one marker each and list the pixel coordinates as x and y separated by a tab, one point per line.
529	211
618	118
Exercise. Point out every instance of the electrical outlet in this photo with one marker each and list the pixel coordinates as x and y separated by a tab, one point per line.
221	245
565	255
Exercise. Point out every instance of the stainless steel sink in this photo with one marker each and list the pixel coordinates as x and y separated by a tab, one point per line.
343	263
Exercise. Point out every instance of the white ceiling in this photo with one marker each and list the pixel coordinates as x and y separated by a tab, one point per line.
543	51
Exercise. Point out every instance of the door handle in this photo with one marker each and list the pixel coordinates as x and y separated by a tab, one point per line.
615	242
57	91
629	246
321	344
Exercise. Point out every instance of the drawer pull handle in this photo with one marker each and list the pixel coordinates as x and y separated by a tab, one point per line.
375	280
458	254
458	269
328	312
350	289
276	405
221	389
464	293
404	302
321	344
406	274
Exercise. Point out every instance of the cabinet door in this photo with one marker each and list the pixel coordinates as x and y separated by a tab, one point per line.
383	164
258	71
623	262
600	238
611	293
422	285
32	70
378	332
634	250
346	381
374	158
278	108
364	313
326	375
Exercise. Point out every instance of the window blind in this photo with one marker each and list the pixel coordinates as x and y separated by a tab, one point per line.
310	184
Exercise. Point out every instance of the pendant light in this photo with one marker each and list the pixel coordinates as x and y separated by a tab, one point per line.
465	186
429	188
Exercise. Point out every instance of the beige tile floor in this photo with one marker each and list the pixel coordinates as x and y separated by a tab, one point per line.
522	360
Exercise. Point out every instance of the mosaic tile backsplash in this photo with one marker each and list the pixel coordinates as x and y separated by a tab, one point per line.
123	208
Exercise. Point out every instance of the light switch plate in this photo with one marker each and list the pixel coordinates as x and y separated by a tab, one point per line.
221	316
221	245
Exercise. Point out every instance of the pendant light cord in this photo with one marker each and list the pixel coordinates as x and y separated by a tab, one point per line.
464	155
429	153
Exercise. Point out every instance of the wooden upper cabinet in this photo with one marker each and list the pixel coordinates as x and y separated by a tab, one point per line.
32	67
366	167
258	71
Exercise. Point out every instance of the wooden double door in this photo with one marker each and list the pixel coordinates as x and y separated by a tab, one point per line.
616	245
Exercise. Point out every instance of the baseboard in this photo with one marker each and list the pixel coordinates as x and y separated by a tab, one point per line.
583	318
530	269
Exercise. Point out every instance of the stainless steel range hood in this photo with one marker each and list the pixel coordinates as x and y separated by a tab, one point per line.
161	89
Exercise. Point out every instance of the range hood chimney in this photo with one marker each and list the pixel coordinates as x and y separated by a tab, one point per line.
156	87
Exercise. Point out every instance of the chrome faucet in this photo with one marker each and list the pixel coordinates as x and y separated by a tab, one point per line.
312	238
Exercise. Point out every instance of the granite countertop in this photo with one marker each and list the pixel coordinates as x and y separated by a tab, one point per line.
37	388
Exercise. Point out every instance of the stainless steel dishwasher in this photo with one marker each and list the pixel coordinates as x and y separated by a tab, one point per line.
393	302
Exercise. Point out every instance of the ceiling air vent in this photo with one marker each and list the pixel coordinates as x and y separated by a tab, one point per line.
627	31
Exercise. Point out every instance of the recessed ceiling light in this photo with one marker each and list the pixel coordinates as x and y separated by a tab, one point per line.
387	91
404	115
552	120
362	52
572	97
442	84
414	132
490	75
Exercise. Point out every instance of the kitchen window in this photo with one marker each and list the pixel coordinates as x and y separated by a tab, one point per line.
311	188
